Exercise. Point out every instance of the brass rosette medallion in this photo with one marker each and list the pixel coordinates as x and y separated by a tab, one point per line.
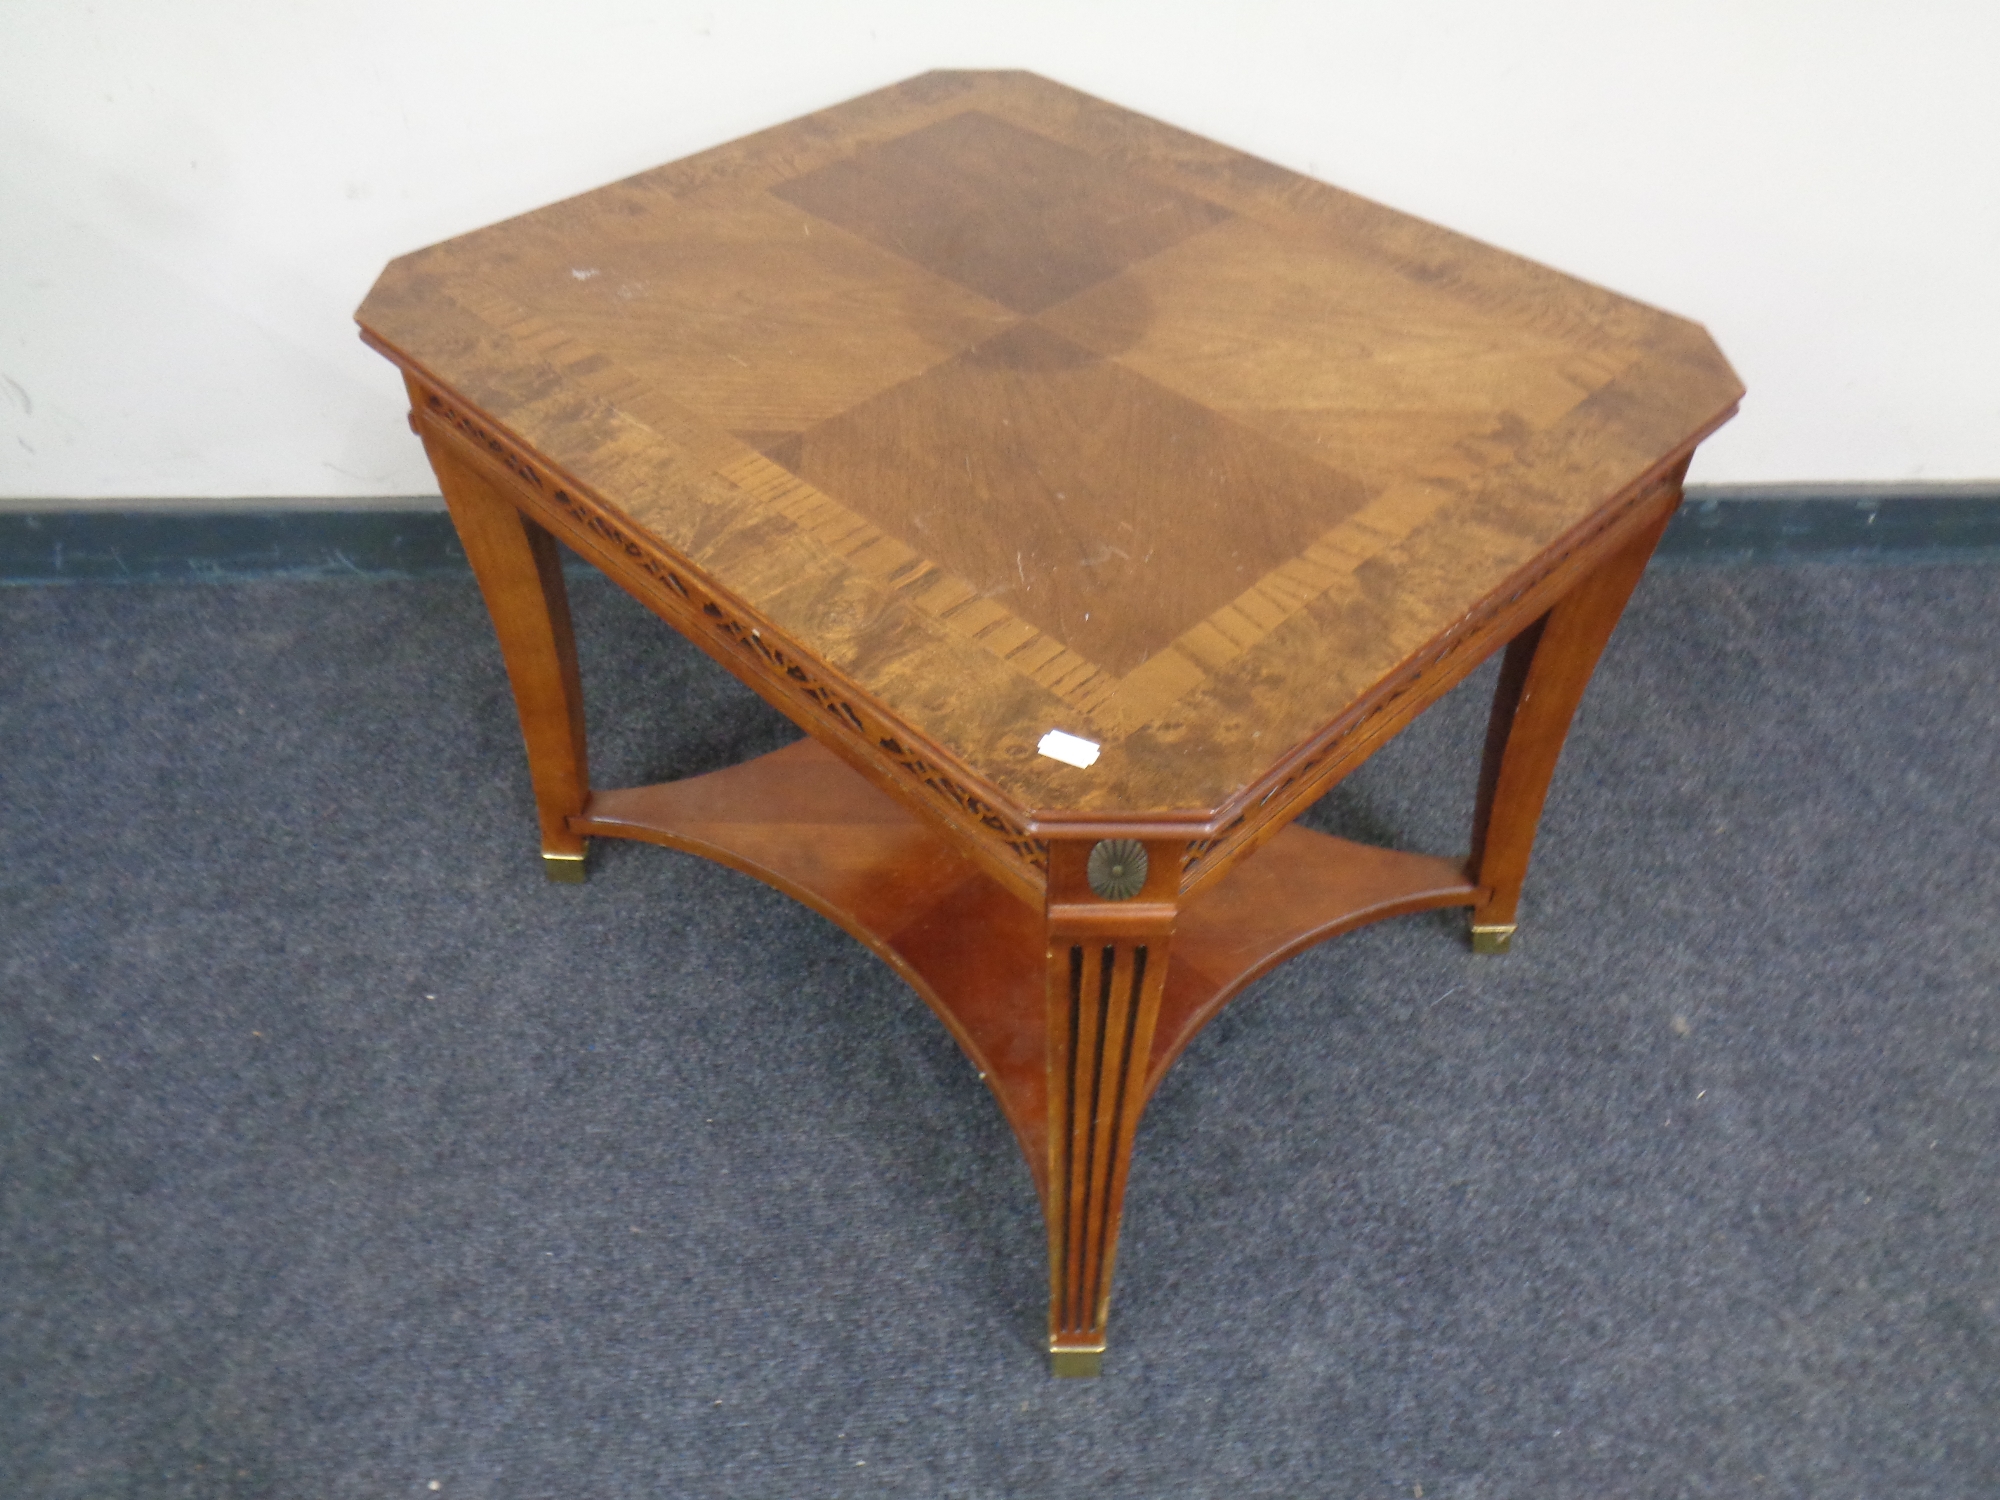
1117	868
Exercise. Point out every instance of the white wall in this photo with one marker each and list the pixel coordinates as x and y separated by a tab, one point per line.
194	196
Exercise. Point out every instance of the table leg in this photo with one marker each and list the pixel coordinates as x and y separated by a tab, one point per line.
519	568
1107	970
1542	678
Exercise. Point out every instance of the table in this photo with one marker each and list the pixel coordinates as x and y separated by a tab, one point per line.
976	409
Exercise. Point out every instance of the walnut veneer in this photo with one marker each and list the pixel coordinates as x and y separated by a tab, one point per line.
977	408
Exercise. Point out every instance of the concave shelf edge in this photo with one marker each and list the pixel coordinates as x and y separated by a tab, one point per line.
803	821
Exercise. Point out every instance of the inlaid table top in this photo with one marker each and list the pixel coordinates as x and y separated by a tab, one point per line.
995	409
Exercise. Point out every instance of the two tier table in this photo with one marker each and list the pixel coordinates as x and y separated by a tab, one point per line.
1095	497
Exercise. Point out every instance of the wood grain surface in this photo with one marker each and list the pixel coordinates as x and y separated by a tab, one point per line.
1001	409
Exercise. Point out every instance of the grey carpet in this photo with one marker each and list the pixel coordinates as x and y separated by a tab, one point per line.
342	1156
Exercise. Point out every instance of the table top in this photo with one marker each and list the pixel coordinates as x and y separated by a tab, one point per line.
1010	410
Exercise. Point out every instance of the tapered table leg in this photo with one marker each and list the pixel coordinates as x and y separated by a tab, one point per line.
1542	678
519	568
1111	915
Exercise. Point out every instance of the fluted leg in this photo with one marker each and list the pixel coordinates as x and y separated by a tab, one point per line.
1107	969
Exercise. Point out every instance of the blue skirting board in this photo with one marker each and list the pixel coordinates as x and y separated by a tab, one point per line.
1717	525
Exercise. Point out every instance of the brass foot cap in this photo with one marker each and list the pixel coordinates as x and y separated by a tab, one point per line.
563	869
1492	939
1076	1364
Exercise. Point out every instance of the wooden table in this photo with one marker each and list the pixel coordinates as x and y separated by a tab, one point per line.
977	408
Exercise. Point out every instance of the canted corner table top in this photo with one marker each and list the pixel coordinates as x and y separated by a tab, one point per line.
998	410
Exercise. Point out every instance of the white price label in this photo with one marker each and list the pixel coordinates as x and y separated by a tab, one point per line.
1070	749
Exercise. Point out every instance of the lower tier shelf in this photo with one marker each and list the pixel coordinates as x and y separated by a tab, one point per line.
803	821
